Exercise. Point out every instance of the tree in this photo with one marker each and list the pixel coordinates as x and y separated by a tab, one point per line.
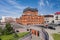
0	31
8	29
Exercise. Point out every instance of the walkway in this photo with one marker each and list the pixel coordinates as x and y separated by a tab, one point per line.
50	34
35	37
45	34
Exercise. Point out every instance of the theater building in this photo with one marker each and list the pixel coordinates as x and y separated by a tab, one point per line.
30	17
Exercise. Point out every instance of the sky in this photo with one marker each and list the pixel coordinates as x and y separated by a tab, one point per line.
15	8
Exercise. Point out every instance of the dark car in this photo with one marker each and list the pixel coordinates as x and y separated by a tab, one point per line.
58	24
50	27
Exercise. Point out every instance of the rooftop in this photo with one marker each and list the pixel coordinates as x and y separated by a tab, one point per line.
48	16
30	9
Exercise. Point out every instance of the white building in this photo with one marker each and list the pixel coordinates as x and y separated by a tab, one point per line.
7	19
48	19
52	18
57	18
3	19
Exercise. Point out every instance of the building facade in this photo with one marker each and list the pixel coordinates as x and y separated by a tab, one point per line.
49	19
57	18
30	17
7	19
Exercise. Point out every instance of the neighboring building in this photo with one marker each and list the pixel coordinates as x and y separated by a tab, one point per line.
49	19
7	19
3	19
0	20
57	18
30	17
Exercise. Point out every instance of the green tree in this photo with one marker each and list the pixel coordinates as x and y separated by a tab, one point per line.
8	29
0	31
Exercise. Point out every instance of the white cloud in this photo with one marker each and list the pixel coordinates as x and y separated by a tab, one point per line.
16	5
42	14
7	11
44	3
47	3
16	8
41	3
51	14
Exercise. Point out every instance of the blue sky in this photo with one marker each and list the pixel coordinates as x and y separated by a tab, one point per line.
15	8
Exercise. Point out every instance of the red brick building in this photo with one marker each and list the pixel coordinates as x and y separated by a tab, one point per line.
30	16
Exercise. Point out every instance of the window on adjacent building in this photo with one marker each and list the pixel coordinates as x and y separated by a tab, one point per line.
53	21
56	17
47	21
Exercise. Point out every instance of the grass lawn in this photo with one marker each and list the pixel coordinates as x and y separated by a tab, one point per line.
22	34
56	36
9	37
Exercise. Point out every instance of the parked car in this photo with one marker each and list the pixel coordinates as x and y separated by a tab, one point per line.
58	24
50	27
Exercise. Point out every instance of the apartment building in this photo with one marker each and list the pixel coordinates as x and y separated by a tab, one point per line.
7	19
49	19
30	17
57	18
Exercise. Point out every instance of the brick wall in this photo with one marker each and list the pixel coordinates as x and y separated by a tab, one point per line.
30	17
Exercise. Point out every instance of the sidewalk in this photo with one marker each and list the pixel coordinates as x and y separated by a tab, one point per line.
49	32
35	37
